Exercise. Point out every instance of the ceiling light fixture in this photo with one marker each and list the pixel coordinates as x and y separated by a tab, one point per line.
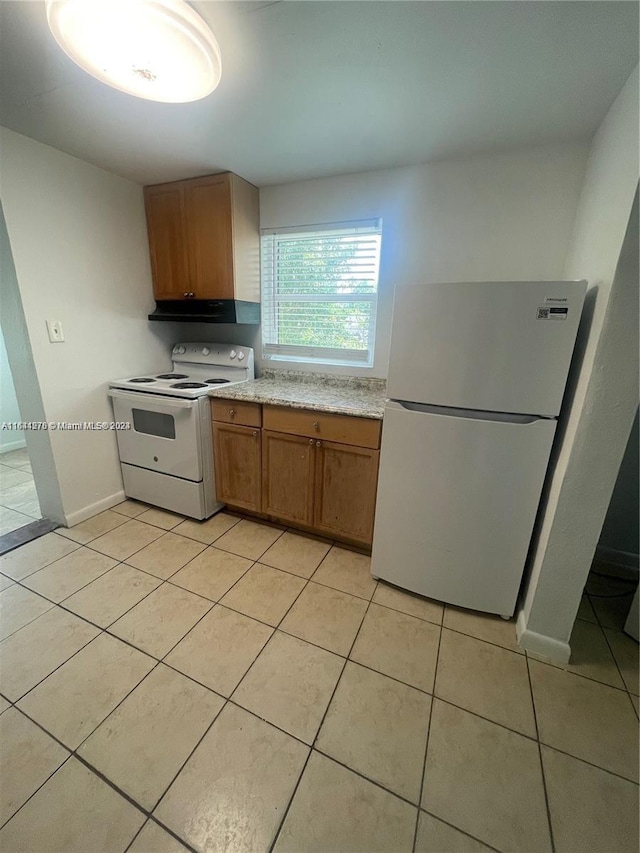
161	50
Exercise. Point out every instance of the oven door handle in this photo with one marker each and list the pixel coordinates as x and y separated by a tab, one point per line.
169	403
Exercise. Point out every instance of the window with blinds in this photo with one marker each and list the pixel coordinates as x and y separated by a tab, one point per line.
320	291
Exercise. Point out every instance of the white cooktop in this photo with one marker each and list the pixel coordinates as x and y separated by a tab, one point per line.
196	368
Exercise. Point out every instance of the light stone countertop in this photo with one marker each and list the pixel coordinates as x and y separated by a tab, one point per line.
344	395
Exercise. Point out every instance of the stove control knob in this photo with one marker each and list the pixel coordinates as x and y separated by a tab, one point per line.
232	354
240	356
205	351
180	350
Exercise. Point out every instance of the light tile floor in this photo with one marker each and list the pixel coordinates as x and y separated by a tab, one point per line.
229	686
18	498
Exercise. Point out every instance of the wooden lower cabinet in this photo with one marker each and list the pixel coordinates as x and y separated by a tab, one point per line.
237	464
346	478
328	487
288	476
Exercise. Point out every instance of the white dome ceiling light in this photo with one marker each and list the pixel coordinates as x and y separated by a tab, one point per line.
161	50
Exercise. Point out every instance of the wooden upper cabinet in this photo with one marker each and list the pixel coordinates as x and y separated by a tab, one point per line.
165	224
204	237
207	205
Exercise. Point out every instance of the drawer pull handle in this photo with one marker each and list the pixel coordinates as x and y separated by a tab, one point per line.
310	441
232	413
255	433
316	426
318	444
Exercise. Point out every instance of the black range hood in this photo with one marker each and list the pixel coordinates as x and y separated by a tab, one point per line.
207	311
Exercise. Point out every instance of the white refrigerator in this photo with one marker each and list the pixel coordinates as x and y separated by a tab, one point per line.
477	374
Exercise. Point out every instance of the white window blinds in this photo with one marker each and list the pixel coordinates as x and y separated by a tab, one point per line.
319	292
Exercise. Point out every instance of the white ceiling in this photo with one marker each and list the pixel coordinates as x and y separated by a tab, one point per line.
318	88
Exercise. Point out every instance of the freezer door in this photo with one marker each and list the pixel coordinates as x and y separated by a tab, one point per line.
498	346
457	500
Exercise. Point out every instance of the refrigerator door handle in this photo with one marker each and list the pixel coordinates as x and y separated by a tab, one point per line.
470	414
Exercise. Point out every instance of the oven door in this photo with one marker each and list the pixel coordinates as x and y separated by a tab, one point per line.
164	434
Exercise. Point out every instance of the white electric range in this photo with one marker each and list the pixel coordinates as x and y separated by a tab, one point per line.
167	454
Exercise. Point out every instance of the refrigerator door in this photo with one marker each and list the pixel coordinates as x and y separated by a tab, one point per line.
495	346
457	501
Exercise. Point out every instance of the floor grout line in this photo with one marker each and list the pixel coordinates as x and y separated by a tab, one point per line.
131	801
53	773
129	845
229	700
73	753
274	629
326	710
362	775
426	746
615	660
542	773
457	829
277	628
118	563
563	668
55	669
590	763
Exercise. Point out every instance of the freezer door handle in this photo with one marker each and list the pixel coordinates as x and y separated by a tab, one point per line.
469	414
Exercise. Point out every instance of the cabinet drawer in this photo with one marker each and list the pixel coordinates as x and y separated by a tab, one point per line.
345	429
236	412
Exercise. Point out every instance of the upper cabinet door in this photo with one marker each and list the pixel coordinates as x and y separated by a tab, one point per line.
165	224
208	217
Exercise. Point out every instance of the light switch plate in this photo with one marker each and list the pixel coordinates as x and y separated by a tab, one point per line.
56	332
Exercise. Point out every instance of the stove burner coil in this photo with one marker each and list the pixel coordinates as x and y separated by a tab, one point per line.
171	376
216	381
186	385
142	379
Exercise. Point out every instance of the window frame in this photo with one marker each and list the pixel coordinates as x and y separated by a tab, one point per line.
272	350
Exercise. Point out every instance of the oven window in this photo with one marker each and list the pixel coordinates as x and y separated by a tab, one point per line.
154	423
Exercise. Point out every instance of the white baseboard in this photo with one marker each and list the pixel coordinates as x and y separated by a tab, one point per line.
94	509
12	445
627	560
547	647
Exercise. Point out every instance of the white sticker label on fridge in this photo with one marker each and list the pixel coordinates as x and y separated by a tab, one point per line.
552	313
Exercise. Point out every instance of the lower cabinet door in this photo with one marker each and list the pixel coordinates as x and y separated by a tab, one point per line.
236	453
287	476
345	495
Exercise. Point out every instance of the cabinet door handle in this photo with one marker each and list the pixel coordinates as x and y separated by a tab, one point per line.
232	413
310	441
185	295
255	433
316	426
318	444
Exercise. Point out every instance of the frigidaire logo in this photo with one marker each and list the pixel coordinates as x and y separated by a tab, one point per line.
556	299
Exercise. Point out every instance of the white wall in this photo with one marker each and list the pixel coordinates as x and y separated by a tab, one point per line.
9	411
619	538
79	245
603	393
506	216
